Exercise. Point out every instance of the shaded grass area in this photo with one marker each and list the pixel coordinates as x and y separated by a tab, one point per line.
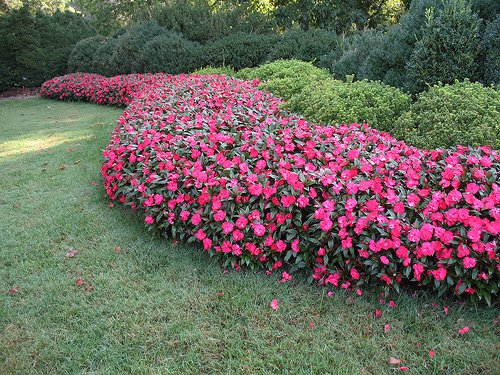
148	307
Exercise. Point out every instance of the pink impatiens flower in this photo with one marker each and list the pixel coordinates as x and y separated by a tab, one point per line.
274	304
469	262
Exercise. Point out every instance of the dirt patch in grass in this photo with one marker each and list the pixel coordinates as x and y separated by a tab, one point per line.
20	93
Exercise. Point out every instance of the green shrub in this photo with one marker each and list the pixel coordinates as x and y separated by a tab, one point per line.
352	53
285	78
490	47
167	53
129	45
239	50
6	77
197	21
464	113
101	58
448	48
37	47
386	60
80	59
334	101
223	70
302	45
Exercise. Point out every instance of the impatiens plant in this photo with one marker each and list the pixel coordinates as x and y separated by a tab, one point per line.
213	159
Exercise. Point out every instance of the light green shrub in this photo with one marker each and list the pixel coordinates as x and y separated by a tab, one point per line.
285	78
334	101
223	70
464	113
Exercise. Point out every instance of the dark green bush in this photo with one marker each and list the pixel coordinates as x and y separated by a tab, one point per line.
386	60
334	101
196	20
448	49
490	48
6	78
239	50
129	45
101	58
285	78
80	59
464	113
302	45
223	70
37	47
351	55
167	53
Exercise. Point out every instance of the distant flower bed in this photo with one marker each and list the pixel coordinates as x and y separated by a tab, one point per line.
213	159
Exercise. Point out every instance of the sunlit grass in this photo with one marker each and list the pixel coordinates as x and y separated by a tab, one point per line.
148	307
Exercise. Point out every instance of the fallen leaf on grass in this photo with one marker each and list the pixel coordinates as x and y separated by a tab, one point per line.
220	294
387	328
71	253
431	353
80	282
90	288
118	249
175	243
394	361
69	150
63	166
76	162
13	291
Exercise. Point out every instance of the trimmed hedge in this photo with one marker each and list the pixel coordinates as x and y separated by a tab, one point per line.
239	50
285	78
102	57
37	47
333	101
308	46
166	53
81	57
464	113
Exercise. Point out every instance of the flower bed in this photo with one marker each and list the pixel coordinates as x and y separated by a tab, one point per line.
213	159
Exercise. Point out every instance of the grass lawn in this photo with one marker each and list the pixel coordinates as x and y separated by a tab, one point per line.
144	306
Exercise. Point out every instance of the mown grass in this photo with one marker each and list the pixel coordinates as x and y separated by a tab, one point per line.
152	308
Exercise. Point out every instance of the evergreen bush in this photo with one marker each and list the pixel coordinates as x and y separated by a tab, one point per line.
448	49
101	58
309	45
166	53
80	59
285	78
36	47
386	61
223	70
338	102
129	45
6	78
490	48
352	52
239	50
464	113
